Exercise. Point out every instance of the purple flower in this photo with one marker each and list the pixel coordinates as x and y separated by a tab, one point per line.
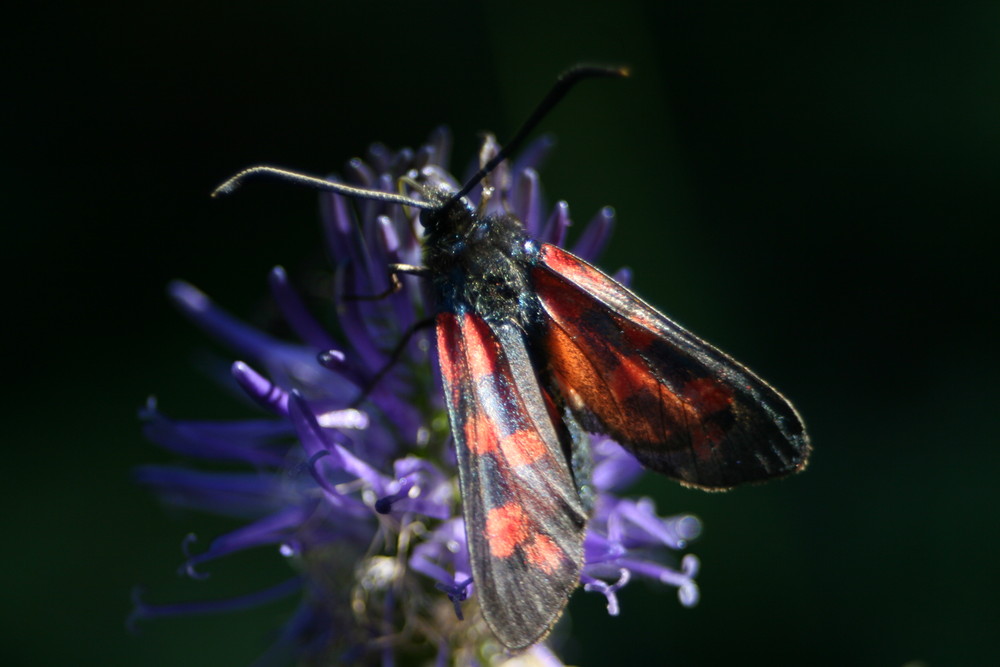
363	501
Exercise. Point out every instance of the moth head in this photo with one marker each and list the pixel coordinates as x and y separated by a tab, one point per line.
453	222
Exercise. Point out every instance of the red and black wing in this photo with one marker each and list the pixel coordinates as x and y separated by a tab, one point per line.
524	519
682	407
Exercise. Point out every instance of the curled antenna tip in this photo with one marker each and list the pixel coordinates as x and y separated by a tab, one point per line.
223	189
230	184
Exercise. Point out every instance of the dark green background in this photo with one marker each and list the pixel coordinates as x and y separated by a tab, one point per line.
814	188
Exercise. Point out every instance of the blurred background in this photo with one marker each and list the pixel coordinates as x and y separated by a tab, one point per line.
812	187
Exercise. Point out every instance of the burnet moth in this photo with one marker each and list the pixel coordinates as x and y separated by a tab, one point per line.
537	348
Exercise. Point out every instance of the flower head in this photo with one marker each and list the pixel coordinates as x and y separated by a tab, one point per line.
362	499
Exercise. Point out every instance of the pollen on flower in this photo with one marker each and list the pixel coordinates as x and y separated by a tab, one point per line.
380	572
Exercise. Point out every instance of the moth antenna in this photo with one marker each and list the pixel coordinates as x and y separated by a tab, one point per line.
566	81
320	184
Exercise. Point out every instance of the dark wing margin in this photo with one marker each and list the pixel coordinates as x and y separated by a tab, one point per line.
682	407
524	519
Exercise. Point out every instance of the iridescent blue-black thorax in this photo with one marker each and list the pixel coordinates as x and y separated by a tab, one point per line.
480	263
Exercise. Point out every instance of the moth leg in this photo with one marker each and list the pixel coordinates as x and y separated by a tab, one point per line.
409	269
394	283
394	356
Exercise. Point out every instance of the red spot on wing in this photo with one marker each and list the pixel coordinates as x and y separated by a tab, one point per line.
509	527
591	280
480	347
480	433
506	528
629	377
570	266
465	341
542	552
522	447
449	351
708	394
